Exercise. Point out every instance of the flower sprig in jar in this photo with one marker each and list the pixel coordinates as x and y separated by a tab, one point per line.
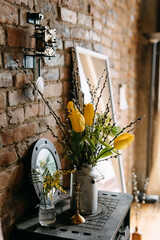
49	183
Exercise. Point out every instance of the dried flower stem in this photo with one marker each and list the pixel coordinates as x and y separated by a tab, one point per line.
124	128
103	87
57	119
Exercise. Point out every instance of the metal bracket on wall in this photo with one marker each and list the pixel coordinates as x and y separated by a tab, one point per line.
34	18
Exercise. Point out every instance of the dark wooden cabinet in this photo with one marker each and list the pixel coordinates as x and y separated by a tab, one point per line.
110	222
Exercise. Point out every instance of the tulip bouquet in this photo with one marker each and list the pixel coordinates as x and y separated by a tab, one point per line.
88	136
93	137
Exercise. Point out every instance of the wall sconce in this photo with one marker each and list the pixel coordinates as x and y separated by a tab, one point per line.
45	40
45	46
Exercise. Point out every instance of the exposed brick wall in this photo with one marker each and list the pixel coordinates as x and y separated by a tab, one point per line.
109	27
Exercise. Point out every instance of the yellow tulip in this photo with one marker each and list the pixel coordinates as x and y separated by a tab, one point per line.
89	114
123	141
77	121
70	107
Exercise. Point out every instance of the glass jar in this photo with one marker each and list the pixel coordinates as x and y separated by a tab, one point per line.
47	212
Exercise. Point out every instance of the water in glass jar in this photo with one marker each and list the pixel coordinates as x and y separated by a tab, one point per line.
47	215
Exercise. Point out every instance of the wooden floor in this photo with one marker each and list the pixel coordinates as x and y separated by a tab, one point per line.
149	223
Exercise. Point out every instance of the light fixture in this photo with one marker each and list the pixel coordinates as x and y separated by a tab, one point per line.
45	40
45	46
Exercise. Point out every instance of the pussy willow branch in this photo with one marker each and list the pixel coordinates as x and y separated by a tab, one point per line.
57	119
94	92
108	132
102	89
107	158
124	128
90	91
106	112
55	135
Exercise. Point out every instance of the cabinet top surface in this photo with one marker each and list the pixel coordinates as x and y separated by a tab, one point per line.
104	224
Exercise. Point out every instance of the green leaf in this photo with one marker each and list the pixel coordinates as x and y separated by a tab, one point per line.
115	130
108	146
89	141
104	153
77	144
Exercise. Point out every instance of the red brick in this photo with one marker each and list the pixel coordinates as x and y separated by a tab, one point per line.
99	5
68	44
68	60
11	1
23	17
51	122
21	149
2	38
55	61
42	126
54	90
95	36
50	74
7	196
48	135
3	120
62	29
59	44
72	4
6	79
55	105
107	51
23	3
80	33
58	147
2	100
84	20
97	25
16	115
20	80
11	58
107	41
108	32
117	65
54	1
66	88
95	12
1	64
31	111
4	197
19	38
41	109
8	14
7	157
111	24
31	4
65	73
49	9
68	16
18	134
16	97
11	176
